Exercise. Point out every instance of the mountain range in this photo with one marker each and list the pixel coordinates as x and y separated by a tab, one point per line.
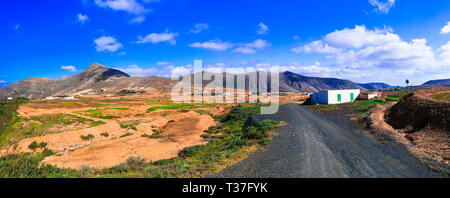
97	76
442	83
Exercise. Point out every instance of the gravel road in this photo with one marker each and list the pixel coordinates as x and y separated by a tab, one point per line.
316	146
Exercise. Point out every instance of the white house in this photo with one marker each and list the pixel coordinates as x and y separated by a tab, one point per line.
335	96
370	95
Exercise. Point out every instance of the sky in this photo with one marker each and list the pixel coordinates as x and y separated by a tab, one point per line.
360	40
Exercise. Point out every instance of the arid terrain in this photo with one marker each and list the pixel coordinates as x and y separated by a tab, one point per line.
127	128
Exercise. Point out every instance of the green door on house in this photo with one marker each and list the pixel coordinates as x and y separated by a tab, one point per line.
339	98
352	96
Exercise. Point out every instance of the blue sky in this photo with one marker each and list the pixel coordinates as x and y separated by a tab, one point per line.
361	40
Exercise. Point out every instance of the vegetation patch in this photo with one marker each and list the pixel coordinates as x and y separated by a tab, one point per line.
131	124
196	161
87	137
180	106
28	166
152	136
34	145
357	110
125	135
20	128
441	96
104	134
99	113
393	99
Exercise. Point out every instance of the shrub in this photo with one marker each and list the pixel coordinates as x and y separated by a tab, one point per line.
87	137
232	116
125	135
153	136
182	165
34	145
393	99
105	134
132	163
235	142
190	151
267	125
254	133
47	152
265	141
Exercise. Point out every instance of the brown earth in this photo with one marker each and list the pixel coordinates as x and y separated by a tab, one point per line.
416	112
178	129
419	123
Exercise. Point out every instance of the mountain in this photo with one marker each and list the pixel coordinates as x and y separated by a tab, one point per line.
438	83
93	78
294	82
375	86
98	77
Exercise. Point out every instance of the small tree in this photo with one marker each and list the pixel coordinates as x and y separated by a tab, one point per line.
407	82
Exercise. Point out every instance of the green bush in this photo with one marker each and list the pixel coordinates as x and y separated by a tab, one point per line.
87	137
265	141
254	133
28	166
34	145
47	152
393	99
104	134
125	135
235	142
153	136
190	151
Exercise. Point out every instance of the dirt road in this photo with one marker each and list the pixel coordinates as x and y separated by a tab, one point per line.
314	145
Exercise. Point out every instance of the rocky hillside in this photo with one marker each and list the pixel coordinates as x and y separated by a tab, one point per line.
438	83
294	82
93	78
98	77
375	86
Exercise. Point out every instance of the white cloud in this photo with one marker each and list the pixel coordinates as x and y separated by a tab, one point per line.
138	19
130	6
382	6
134	70
360	47
262	28
315	47
445	54
216	45
162	63
69	68
359	37
3	82
250	48
363	54
244	50
82	18
107	43
446	29
199	27
158	37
